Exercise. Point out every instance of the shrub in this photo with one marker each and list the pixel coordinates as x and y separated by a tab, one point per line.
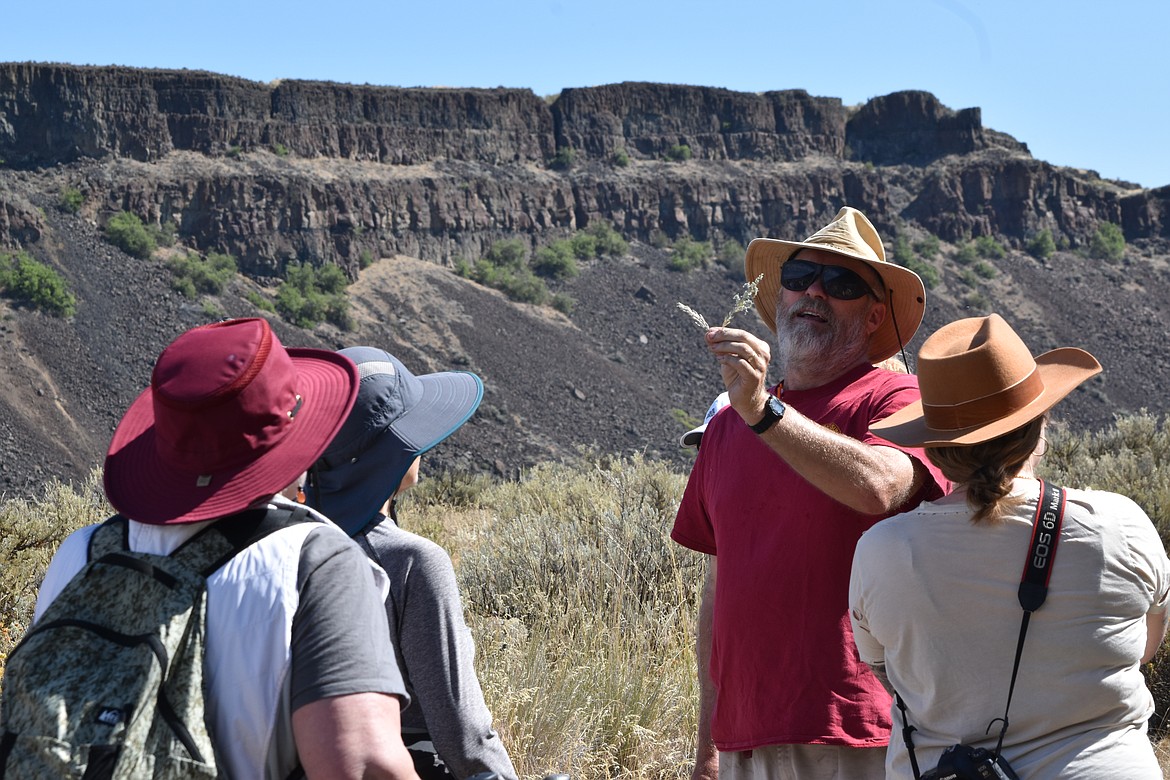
365	259
504	267
194	275
1041	246
35	284
564	303
165	234
966	254
609	241
583	245
985	269
731	256
555	261
687	255
310	296
902	251
621	158
987	246
259	301
509	253
71	200
126	231
679	153
927	272
280	150
564	159
1108	243
928	247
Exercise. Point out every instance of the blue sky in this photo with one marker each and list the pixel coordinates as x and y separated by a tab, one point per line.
1082	83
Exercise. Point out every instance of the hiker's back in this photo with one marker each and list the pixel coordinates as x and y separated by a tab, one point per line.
251	603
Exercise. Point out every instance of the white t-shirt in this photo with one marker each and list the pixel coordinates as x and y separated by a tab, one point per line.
294	618
934	598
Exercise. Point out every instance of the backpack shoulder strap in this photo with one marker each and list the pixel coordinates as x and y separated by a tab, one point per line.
217	544
112	536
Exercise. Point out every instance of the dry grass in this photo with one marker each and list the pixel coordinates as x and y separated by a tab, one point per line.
582	609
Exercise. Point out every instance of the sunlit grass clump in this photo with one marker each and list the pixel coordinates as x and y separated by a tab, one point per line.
582	608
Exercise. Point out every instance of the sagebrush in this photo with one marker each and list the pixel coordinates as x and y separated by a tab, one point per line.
582	609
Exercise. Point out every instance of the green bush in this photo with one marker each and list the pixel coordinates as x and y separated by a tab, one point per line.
927	272
1041	246
564	159
555	261
165	234
679	153
71	200
504	267
308	296
365	259
985	269
126	231
35	284
280	150
583	245
987	246
621	158
259	301
1108	243
902	251
687	255
927	248
564	303
609	242
966	254
731	256
194	275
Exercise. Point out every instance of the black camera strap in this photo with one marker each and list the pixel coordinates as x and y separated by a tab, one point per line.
1032	592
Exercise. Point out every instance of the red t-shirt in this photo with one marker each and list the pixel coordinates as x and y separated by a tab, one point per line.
782	655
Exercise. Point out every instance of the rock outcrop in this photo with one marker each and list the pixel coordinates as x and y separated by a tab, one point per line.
321	172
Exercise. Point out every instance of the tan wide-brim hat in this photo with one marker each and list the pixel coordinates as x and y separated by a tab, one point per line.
979	381
851	235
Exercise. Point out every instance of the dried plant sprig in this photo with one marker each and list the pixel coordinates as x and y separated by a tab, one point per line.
744	300
696	318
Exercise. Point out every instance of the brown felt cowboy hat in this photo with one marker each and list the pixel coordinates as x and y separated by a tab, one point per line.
979	381
230	417
850	235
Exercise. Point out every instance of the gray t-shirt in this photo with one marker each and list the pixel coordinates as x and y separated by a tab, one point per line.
436	653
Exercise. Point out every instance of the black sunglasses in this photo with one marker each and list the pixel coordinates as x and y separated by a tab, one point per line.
837	282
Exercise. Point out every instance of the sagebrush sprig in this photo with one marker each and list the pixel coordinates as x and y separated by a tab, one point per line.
744	300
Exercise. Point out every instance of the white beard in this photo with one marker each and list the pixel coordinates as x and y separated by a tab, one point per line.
815	350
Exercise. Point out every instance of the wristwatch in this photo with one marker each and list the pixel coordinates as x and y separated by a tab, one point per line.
773	411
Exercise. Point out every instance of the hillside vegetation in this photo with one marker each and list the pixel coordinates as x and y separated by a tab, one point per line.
582	609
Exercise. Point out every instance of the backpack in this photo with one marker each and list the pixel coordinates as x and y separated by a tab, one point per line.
109	682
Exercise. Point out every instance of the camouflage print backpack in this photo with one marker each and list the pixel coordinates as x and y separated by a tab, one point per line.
109	682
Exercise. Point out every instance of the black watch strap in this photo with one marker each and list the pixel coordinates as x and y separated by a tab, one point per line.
773	412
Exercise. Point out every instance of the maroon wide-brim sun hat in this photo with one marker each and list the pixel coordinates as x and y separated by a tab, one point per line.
230	417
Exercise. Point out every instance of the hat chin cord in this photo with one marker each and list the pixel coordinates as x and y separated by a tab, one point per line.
897	332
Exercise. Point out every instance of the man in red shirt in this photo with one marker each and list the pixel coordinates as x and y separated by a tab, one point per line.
786	481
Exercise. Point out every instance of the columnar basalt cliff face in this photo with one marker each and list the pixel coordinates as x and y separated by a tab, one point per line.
320	172
300	171
649	120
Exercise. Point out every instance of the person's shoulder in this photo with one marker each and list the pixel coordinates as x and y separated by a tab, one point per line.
1104	504
392	541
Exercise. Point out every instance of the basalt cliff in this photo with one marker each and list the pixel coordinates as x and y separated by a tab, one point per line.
416	179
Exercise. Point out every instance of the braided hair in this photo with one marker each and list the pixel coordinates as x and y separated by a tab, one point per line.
987	469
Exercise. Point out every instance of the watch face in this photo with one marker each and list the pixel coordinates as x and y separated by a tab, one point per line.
775	406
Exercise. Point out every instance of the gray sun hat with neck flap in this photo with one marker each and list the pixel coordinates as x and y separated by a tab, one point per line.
397	417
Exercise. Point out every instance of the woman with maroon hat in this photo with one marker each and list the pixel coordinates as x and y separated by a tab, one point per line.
297	665
374	458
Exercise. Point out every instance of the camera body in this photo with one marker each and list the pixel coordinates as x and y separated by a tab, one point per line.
963	762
